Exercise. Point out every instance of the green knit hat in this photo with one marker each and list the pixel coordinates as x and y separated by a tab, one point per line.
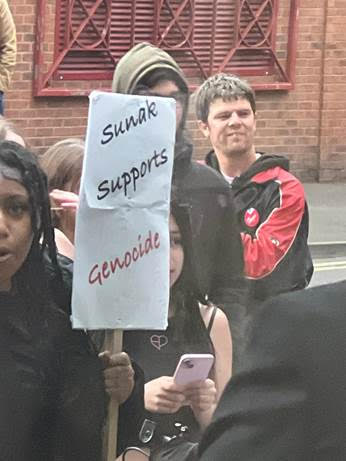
138	62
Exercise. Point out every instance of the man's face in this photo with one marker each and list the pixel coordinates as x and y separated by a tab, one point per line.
231	127
169	89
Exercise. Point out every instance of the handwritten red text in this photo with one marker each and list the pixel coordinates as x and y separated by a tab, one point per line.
100	272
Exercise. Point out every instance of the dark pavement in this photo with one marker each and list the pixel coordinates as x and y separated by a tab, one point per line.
327	236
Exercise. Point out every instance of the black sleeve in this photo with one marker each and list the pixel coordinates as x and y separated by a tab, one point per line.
81	402
61	290
229	286
263	414
131	413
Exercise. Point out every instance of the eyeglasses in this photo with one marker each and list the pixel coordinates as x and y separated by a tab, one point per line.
179	96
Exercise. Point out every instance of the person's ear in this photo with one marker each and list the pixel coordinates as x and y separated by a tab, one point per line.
203	126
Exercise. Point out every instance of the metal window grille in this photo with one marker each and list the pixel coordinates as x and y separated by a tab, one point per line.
204	36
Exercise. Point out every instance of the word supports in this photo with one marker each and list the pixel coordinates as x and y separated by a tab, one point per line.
128	179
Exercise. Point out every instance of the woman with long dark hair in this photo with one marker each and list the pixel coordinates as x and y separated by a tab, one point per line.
192	328
62	164
52	396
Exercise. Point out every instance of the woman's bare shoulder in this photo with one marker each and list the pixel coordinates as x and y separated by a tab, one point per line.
207	311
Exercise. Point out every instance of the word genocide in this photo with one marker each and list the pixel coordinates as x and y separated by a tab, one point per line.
100	272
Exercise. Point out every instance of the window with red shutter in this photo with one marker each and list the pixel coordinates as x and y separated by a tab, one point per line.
252	38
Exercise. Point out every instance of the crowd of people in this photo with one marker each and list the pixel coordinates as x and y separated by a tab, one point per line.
238	236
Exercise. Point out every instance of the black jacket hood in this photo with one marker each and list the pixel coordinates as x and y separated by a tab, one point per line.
263	163
182	156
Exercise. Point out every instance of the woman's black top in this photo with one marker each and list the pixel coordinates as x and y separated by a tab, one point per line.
52	398
157	353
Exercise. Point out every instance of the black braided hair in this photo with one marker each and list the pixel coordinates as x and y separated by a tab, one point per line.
189	326
32	279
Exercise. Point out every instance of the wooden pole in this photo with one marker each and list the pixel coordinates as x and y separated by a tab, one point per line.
114	344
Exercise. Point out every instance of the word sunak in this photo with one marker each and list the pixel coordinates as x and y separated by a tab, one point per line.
128	179
112	131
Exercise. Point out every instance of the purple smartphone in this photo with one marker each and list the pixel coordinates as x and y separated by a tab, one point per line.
193	367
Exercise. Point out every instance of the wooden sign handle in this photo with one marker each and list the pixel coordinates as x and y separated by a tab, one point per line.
113	343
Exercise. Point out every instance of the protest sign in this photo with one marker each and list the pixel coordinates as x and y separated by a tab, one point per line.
121	270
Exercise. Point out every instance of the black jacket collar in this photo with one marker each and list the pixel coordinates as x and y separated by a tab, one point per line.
264	162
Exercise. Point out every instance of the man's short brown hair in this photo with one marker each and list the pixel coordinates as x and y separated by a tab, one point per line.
224	86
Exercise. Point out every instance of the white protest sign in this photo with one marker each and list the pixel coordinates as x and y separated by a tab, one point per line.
121	270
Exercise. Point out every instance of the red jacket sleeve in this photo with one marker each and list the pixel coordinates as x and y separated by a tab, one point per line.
274	236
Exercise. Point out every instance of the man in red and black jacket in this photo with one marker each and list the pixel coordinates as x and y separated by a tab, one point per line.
271	207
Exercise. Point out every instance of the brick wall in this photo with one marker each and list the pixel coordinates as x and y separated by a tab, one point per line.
43	121
308	124
333	107
289	122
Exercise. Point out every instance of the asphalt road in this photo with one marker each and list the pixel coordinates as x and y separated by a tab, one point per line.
328	270
327	233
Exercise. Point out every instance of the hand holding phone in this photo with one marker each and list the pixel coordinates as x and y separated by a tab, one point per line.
193	367
163	395
201	395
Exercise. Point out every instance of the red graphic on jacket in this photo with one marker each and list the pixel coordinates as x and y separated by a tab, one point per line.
251	217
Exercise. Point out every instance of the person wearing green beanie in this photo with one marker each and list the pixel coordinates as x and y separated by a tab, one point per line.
143	69
217	263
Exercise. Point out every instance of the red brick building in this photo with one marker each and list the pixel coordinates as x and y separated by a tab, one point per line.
293	52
